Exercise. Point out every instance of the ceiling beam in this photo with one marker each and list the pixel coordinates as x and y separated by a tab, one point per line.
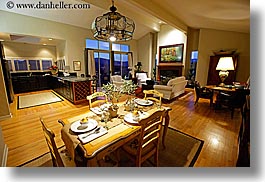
160	13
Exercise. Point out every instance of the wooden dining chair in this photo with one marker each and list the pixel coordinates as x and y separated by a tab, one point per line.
202	92
146	144
93	98
56	157
155	95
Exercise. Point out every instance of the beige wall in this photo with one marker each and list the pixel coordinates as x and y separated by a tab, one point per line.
216	40
144	45
74	37
169	36
192	45
29	50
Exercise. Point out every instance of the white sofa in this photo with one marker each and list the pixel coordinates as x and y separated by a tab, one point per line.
174	87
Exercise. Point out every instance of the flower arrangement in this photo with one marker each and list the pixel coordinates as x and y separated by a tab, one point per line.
111	91
53	67
128	87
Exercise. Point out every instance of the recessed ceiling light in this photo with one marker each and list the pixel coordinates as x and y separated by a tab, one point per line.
50	38
44	44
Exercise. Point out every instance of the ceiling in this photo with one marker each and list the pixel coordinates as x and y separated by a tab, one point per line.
148	15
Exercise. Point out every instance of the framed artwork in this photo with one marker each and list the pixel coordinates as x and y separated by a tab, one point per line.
77	66
171	53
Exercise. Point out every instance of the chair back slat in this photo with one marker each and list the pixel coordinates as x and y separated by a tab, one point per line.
93	98
150	133
49	137
154	94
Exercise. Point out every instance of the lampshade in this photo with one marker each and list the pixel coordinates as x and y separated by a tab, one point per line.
113	26
225	63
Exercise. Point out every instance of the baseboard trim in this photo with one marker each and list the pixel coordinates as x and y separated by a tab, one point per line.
4	157
6	116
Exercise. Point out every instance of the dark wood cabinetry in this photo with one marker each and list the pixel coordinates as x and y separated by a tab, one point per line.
29	83
64	88
74	91
213	74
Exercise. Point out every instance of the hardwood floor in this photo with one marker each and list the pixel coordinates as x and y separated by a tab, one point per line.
25	140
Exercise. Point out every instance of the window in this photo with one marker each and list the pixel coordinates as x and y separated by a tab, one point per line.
103	55
34	64
92	44
102	64
104	45
121	65
124	48
46	64
116	47
120	47
20	65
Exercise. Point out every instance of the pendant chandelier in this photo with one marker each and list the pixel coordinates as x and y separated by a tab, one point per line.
113	26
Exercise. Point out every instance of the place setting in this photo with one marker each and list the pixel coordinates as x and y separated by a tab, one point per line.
143	102
87	129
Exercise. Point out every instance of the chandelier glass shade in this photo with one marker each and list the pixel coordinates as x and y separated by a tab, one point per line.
113	26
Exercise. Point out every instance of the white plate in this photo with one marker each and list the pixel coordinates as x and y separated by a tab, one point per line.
131	119
143	102
76	126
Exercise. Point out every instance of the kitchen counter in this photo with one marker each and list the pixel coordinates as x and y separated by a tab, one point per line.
74	78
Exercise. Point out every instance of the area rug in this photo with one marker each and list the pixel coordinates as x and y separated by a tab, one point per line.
182	150
31	100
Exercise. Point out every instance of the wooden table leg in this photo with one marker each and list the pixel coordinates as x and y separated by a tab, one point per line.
165	129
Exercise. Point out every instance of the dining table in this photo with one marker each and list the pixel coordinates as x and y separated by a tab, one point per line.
228	89
114	132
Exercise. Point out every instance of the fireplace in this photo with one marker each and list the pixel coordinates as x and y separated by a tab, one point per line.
169	70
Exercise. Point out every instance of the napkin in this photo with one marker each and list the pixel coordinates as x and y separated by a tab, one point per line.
93	136
96	110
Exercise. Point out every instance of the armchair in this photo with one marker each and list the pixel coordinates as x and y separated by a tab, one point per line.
116	80
141	78
202	92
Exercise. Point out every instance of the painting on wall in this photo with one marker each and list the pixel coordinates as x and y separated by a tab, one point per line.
171	53
77	65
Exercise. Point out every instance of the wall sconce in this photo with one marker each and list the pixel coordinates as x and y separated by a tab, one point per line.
224	64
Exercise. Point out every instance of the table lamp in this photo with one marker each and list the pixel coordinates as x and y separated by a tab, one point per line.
224	64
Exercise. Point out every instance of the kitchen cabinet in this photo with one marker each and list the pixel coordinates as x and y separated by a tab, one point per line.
74	89
23	84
